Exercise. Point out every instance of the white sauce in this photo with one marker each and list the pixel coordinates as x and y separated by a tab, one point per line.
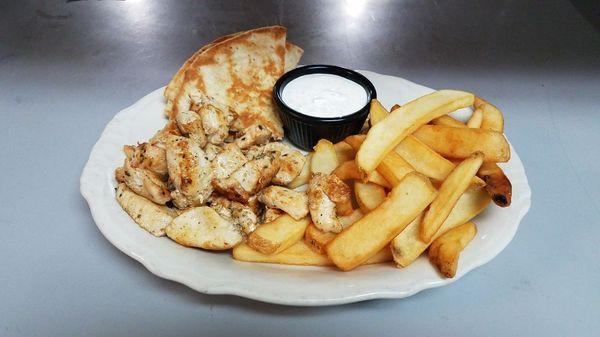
324	95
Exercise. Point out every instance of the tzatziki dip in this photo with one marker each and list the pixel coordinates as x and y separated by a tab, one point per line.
324	95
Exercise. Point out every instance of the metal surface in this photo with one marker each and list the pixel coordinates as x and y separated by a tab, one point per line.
67	67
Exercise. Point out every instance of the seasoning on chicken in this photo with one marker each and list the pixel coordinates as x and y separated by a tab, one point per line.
203	227
146	183
323	190
271	214
254	135
290	162
227	161
148	215
190	125
241	215
292	202
161	136
246	181
215	123
147	156
189	172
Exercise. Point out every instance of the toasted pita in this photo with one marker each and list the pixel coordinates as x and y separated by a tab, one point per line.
238	73
293	54
176	82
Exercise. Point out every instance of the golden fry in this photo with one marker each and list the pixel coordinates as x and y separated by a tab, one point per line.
448	121
460	143
428	162
344	151
324	159
317	239
387	134
368	196
492	118
349	171
476	118
297	254
375	230
497	184
277	235
377	112
393	168
450	191
406	247
445	250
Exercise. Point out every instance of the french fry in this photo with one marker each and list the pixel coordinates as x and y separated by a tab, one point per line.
428	162
449	192
478	102
355	141
377	112
277	235
476	119
344	151
395	106
406	247
368	196
375	230
393	168
388	133
445	250
304	176
297	254
492	118
349	171
324	159
497	184
461	142
317	239
448	121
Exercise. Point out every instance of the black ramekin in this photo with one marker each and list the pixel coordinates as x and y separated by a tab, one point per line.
305	131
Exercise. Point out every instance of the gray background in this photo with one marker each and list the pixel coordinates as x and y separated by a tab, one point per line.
67	67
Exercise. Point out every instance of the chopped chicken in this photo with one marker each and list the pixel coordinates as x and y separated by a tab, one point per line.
241	215
148	215
161	136
323	191
271	214
211	151
227	161
203	227
290	162
254	152
189	172
254	135
147	156
146	183
248	179
190	125
340	193
292	202
215	123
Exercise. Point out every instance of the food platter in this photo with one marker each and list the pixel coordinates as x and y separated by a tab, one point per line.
217	273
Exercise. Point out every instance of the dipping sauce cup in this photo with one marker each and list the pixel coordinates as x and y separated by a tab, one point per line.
322	101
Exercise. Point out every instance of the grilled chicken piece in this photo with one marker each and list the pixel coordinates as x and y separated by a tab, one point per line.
189	172
144	182
211	151
322	191
160	137
248	179
190	125
227	161
241	215
147	156
271	214
290	162
215	123
203	227
148	215
293	203
254	135
340	193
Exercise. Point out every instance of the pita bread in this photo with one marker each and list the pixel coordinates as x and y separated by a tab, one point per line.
293	54
237	72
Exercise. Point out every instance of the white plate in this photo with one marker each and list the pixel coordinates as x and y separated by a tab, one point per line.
218	273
